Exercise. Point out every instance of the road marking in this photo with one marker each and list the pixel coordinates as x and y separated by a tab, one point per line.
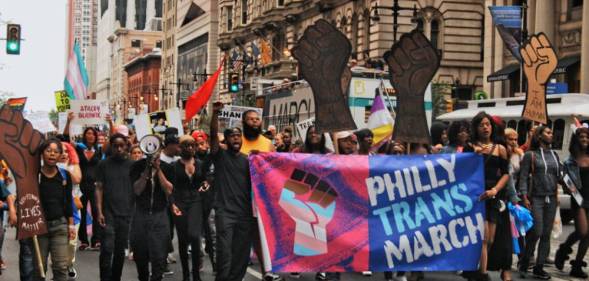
254	273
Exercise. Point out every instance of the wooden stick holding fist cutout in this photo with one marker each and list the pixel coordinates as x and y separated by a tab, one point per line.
540	61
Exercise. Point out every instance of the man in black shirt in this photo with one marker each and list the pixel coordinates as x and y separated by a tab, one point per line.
149	229
114	194
234	218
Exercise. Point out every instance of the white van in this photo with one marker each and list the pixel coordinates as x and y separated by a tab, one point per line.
561	107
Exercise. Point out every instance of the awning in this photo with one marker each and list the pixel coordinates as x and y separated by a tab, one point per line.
504	73
565	62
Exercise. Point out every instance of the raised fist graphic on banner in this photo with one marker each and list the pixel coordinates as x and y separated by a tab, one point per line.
18	147
310	202
412	62
540	61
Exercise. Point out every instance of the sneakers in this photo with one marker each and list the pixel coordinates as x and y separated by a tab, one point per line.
95	247
72	273
295	275
272	277
367	273
321	276
539	273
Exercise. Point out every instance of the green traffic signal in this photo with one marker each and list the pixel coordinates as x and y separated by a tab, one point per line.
234	88
13	39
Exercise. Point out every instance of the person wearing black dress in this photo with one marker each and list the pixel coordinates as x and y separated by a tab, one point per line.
493	257
577	167
188	176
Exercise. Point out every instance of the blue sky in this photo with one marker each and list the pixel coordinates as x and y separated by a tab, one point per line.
39	69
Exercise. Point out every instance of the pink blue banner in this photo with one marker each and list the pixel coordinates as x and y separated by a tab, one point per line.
334	213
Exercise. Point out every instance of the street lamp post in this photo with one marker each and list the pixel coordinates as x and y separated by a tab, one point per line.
395	9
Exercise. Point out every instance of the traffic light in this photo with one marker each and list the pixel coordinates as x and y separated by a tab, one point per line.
13	39
234	84
449	105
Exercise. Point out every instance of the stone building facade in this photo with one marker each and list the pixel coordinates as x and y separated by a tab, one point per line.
566	24
455	27
168	63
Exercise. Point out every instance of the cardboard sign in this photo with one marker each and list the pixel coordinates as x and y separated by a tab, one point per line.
230	116
89	112
62	101
158	122
303	126
413	61
41	122
540	61
323	52
18	147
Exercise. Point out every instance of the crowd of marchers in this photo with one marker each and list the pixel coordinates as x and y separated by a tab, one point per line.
101	193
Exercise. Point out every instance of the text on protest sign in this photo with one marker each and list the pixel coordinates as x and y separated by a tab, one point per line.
89	112
378	213
231	115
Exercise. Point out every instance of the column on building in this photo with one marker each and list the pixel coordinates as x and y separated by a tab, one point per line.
531	13
545	11
585	49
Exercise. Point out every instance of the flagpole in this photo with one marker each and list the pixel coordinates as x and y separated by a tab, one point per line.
39	258
524	36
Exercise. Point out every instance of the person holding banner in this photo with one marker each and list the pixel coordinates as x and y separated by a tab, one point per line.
496	177
253	140
577	168
55	194
235	223
539	175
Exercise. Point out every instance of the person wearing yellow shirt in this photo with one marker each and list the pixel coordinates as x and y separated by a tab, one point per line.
252	138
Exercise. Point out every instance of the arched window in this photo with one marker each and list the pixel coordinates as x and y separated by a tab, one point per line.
435	33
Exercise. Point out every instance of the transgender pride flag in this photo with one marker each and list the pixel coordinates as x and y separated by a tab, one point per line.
76	77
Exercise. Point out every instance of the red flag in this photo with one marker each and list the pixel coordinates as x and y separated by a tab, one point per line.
202	95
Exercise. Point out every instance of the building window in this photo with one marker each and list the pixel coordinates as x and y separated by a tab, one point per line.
136	43
229	18
278	46
577	3
355	35
420	25
158	44
366	33
435	33
244	11
279	3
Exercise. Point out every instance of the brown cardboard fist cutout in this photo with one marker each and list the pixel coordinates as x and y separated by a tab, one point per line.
323	53
540	61
18	147
412	62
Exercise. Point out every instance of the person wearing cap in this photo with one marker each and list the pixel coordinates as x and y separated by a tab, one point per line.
235	223
347	143
208	214
168	156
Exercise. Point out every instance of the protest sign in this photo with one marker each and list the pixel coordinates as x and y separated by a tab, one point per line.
333	213
89	112
303	126
540	61
62	101
40	121
323	45
413	61
230	115
18	147
157	122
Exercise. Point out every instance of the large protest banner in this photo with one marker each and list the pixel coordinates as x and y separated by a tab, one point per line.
333	213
